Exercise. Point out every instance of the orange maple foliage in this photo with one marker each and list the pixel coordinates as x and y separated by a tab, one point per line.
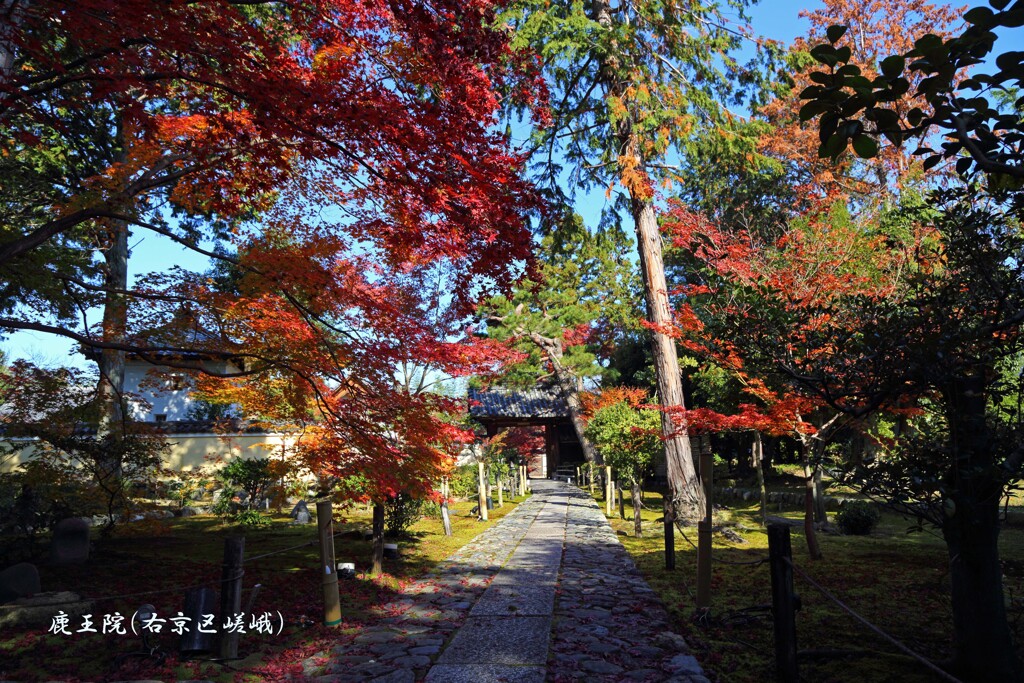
877	29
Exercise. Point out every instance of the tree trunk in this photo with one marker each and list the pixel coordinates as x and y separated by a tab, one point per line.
812	537
687	495
637	494
111	423
757	460
11	13
569	388
983	645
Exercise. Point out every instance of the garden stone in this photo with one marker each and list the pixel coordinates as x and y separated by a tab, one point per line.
39	610
671	641
19	581
70	543
189	511
302	518
299	509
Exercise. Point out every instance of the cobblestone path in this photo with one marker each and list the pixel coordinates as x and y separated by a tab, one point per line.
547	594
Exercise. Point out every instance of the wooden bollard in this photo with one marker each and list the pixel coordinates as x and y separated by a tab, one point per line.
231	594
378	539
670	535
609	492
780	557
704	527
481	492
328	567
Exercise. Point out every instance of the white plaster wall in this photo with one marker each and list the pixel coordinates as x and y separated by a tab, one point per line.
152	391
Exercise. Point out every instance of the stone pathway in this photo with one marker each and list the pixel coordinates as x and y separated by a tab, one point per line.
547	594
410	630
609	625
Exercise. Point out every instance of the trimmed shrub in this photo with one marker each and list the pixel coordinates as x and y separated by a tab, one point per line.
858	519
400	513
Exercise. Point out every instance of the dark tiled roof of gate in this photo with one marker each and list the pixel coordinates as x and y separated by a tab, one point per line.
516	403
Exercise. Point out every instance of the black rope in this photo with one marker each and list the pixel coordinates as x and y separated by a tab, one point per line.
748	563
849	610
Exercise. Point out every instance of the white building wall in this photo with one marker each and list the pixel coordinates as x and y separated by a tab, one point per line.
159	390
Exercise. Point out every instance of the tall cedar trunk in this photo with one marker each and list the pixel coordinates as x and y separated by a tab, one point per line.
568	386
758	463
637	494
112	361
687	494
983	645
378	539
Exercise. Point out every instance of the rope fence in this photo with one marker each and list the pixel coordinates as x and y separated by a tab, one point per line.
875	629
186	587
785	605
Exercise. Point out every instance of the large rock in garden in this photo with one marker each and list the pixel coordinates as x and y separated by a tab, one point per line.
300	513
70	542
19	581
39	610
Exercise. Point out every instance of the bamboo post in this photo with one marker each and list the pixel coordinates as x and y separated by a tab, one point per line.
609	492
231	594
481	492
501	498
325	527
378	539
446	521
591	478
704	527
780	557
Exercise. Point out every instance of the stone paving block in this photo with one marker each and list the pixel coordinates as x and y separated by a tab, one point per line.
519	599
485	673
516	641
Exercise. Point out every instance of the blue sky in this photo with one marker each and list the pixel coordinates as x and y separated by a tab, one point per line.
776	19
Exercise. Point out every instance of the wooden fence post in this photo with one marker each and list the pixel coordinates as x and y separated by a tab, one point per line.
231	594
609	492
780	557
670	535
446	520
481	492
325	527
378	539
704	526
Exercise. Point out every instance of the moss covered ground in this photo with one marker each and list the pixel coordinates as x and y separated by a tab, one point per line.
897	580
155	555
